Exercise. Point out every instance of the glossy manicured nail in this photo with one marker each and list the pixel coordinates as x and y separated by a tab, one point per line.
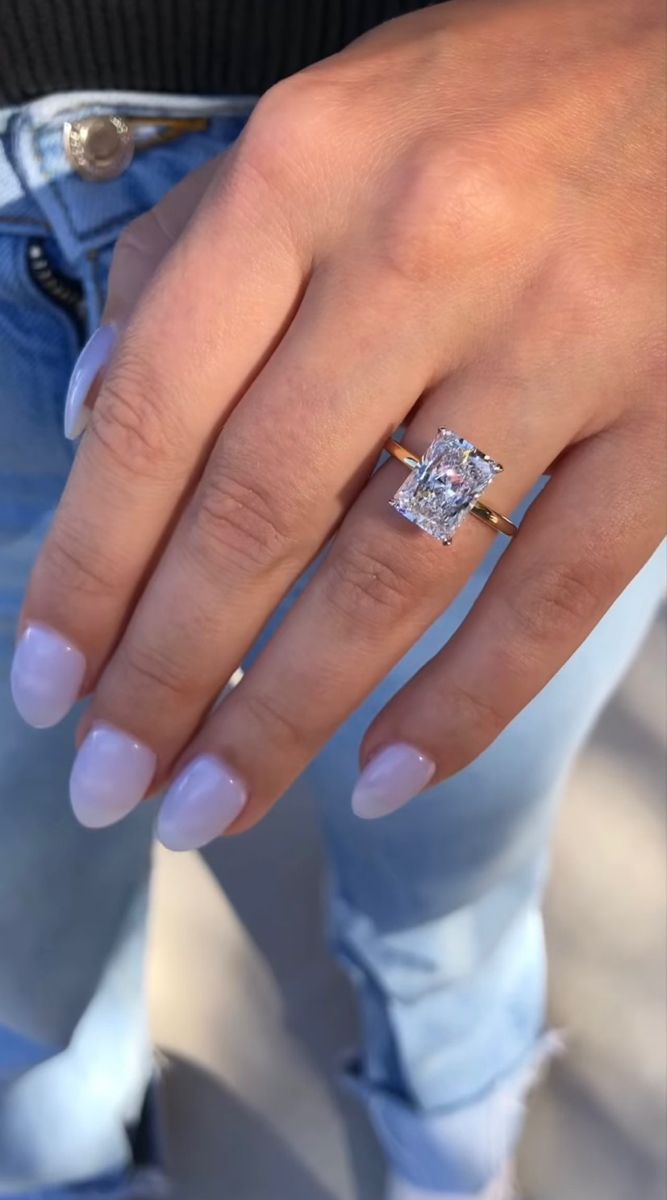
111	774
201	804
393	777
46	676
93	357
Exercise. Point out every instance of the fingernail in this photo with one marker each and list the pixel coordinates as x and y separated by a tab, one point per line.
201	804
93	357
393	777
46	675
111	774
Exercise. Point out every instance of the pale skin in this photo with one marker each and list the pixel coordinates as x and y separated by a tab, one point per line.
458	221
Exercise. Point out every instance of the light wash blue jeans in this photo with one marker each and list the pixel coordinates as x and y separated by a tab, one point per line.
435	911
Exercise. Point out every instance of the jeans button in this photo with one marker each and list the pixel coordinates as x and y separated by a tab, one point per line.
99	148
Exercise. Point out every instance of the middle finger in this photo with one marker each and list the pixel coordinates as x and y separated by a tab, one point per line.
285	469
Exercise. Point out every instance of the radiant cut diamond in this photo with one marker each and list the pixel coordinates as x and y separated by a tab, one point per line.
439	493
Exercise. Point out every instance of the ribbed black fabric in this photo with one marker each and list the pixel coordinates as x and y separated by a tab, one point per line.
188	46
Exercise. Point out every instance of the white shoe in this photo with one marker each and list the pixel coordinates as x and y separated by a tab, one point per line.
501	1189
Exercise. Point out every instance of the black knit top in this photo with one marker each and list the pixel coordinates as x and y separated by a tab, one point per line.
211	47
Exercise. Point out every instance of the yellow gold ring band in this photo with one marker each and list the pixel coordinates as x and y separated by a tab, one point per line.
494	520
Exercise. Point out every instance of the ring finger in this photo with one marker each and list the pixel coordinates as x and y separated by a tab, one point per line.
382	584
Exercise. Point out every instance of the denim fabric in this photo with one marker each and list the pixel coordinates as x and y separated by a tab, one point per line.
75	1057
435	911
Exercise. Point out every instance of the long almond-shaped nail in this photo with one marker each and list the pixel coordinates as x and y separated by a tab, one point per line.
92	359
46	675
393	777
201	804
111	775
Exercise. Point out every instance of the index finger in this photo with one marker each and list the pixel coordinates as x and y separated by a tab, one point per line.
208	320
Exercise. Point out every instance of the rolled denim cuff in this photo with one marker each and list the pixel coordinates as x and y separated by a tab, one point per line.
459	1149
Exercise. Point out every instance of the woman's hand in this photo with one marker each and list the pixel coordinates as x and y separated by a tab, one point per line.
458	221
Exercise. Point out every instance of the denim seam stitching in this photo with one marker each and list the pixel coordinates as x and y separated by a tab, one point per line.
13	132
26	223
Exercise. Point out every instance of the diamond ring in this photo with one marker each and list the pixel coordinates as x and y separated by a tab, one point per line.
444	486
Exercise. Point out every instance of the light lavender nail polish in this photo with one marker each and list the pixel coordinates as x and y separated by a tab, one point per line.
93	357
46	676
201	804
393	777
111	775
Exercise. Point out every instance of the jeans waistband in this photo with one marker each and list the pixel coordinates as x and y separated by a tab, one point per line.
41	191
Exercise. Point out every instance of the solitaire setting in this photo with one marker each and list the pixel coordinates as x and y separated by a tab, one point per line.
444	486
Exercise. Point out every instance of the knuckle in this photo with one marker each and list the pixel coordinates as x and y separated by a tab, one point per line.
240	520
446	196
478	718
478	198
366	587
274	724
73	564
147	668
276	109
130	421
555	601
281	123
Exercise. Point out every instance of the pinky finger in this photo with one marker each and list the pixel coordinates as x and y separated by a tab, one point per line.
581	543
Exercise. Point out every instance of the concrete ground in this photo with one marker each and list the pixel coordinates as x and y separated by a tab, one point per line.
253	1017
